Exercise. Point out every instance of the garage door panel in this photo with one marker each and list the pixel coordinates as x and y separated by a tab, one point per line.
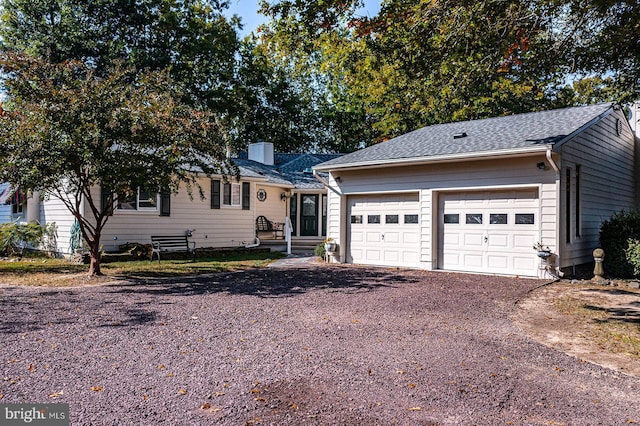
391	255
498	261
502	243
411	237
473	239
473	260
523	241
357	236
392	237
373	237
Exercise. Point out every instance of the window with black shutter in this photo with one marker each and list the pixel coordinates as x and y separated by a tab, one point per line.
165	203
215	194
246	195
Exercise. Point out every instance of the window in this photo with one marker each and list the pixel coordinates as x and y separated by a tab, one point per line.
474	219
410	218
498	219
141	200
577	209
452	218
391	218
568	206
357	218
525	219
231	194
17	202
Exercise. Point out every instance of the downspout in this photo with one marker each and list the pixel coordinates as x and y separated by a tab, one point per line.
320	178
556	169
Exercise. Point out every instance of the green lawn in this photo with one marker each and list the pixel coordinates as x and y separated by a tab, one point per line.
58	272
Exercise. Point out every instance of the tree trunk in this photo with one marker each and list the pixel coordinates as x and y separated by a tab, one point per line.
94	252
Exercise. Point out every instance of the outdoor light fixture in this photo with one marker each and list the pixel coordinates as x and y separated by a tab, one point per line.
541	165
283	196
338	179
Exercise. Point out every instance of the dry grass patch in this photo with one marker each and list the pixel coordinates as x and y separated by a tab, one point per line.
611	326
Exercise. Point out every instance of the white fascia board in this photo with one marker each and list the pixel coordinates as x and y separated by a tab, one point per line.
448	158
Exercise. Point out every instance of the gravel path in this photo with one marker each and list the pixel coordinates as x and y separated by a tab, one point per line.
308	344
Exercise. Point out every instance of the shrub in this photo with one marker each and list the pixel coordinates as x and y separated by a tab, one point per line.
320	250
139	250
633	255
615	234
15	237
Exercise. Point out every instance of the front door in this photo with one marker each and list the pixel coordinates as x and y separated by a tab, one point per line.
309	216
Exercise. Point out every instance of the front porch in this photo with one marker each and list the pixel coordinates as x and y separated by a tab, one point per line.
302	245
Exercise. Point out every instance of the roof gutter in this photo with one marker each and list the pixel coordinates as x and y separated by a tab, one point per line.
518	152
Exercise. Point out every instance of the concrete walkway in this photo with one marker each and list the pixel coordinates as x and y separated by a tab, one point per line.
295	260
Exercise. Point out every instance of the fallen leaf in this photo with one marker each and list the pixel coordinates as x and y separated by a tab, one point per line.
260	399
182	392
294	406
415	408
31	367
205	406
219	393
56	394
144	397
412	385
170	374
255	390
97	388
161	366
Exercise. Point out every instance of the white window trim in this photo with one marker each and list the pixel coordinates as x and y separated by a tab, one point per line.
231	187
139	209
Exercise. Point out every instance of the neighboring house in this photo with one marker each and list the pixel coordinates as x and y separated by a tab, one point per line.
273	185
476	196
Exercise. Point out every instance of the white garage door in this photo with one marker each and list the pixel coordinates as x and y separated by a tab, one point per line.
489	232
384	230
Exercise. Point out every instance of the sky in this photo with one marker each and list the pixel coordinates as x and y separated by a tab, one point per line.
248	11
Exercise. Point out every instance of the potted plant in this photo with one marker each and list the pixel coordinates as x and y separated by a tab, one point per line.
543	251
329	245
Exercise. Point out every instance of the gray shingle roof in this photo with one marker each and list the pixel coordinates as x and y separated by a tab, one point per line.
288	170
522	132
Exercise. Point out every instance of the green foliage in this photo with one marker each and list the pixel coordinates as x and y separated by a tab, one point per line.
139	250
633	255
15	237
320	251
615	234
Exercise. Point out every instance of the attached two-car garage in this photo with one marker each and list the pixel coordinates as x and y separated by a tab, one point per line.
477	231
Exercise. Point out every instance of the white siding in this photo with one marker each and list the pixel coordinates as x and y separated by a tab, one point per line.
53	210
607	184
430	179
273	207
224	227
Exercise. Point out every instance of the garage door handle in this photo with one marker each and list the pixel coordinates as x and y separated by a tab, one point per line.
382	237
486	238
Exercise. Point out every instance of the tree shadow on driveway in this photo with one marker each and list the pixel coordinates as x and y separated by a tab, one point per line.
270	282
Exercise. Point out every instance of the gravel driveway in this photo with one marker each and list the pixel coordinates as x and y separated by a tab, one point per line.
310	344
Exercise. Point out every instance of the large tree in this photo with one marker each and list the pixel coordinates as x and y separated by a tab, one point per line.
423	62
69	131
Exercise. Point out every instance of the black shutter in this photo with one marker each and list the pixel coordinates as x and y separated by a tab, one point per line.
215	194
246	195
105	197
165	203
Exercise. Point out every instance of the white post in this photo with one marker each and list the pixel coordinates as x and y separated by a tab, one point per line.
288	229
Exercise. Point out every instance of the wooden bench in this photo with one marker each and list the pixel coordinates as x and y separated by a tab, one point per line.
171	243
265	225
